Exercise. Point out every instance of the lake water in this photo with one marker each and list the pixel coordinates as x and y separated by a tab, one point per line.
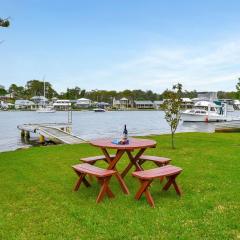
89	125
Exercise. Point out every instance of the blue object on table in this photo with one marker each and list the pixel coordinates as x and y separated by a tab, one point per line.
118	142
115	141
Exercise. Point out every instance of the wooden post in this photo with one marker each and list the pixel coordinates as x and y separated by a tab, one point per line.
27	134
41	139
22	133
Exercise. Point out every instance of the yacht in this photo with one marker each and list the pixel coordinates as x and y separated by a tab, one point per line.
45	108
205	111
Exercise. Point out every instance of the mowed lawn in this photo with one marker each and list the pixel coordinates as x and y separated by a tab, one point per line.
37	201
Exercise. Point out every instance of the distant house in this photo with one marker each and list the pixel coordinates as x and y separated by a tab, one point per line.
3	105
236	104
54	99
205	96
7	96
157	104
6	105
187	103
62	104
116	103
143	104
39	100
102	104
123	103
83	103
24	104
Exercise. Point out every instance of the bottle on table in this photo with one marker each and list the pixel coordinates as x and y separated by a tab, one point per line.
125	133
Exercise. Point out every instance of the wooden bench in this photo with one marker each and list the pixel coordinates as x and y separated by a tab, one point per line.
159	161
94	159
103	176
146	177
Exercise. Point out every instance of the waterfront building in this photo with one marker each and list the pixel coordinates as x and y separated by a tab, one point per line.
102	104
236	104
157	104
7	96
123	103
205	96
187	103
62	104
40	100
144	104
24	104
83	103
54	99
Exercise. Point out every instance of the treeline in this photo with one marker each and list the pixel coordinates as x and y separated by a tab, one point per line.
36	88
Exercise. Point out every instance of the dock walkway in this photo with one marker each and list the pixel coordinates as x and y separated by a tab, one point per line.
57	132
228	127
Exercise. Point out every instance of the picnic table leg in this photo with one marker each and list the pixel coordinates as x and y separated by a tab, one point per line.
78	183
112	166
133	161
109	192
144	189
171	180
103	189
80	180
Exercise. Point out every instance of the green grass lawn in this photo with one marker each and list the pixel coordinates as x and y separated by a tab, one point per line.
37	201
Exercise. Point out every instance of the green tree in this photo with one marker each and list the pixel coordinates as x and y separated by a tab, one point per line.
2	90
72	93
17	91
172	107
36	88
4	22
238	88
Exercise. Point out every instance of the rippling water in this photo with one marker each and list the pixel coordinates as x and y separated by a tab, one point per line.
90	125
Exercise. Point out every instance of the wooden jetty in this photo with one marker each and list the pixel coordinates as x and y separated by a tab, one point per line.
228	127
56	132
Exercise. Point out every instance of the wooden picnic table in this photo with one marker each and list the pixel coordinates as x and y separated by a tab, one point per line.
134	144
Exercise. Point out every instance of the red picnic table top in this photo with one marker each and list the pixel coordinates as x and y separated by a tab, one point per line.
134	143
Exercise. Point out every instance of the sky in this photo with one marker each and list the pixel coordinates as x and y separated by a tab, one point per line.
122	44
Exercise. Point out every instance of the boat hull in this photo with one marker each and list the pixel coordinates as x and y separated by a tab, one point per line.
99	110
187	117
46	111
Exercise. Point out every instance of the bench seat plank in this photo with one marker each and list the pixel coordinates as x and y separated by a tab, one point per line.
157	172
93	170
96	158
161	160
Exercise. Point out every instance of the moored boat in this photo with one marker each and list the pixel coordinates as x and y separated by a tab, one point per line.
46	109
204	111
99	110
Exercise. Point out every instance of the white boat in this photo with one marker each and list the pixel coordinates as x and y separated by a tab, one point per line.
204	111
99	110
45	108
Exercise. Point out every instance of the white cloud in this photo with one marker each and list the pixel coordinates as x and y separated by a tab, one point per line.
210	68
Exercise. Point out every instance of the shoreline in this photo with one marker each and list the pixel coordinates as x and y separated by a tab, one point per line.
62	144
